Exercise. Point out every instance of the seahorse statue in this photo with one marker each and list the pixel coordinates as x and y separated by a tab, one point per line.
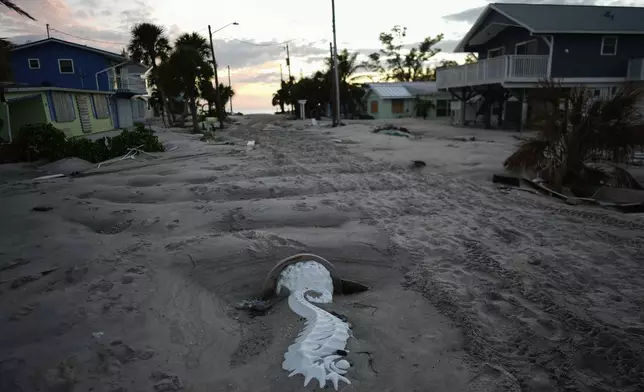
315	351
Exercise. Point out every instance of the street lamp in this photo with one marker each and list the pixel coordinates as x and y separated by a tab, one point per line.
214	65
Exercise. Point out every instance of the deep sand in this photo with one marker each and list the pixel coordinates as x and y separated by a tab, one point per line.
127	280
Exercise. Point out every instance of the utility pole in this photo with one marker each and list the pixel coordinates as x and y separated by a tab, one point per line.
231	89
332	85
335	65
281	74
217	97
288	62
48	36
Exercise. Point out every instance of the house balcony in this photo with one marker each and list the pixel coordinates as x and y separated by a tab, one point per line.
132	84
503	69
635	70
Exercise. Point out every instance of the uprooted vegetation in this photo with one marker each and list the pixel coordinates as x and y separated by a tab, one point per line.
582	140
44	141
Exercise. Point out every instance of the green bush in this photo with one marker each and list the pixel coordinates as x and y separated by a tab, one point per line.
40	141
44	141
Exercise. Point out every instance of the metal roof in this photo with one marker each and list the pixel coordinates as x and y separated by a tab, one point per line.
390	92
561	18
403	89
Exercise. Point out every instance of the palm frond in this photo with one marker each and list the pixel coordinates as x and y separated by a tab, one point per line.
11	5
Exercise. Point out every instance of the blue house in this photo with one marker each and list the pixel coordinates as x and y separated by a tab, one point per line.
78	88
518	45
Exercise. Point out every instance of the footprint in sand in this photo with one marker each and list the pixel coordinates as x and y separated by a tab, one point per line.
303	207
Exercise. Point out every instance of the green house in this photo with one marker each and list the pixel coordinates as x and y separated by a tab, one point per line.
75	112
399	100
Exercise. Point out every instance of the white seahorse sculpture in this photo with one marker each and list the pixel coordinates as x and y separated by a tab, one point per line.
314	353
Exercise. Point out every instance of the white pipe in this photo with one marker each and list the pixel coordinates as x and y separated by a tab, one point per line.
107	69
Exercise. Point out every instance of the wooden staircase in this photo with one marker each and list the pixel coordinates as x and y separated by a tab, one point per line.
83	113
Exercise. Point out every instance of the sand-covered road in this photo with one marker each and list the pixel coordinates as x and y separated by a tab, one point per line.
129	282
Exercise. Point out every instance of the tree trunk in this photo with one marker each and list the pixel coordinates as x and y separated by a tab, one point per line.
164	102
193	111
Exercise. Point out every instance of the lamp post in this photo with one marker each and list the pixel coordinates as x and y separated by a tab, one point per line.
214	65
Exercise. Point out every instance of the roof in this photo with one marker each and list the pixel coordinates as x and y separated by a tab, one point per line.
16	88
403	89
560	18
388	92
60	41
563	18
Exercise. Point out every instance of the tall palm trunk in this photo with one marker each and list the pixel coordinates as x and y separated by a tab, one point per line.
164	102
193	112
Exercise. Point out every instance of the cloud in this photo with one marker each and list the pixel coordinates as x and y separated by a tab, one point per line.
248	53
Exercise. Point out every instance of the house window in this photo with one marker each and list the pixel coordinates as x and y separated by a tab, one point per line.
397	106
101	106
442	108
529	47
66	66
374	106
34	63
609	46
63	106
496	52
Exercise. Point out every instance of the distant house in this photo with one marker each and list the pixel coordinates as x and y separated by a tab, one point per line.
398	100
79	89
518	45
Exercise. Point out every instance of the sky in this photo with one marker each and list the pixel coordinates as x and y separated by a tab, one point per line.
255	48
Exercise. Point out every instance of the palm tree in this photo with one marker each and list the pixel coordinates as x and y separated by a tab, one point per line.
5	46
183	73
149	44
575	131
11	5
347	65
196	41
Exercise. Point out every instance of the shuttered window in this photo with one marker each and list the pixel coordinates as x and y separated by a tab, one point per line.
63	106
374	106
101	106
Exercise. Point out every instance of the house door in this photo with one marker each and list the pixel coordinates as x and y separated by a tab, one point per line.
83	113
124	108
374	107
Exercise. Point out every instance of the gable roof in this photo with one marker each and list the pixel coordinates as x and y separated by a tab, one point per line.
562	18
72	44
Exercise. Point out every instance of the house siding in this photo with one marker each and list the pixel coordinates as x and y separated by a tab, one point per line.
508	39
584	59
86	65
21	116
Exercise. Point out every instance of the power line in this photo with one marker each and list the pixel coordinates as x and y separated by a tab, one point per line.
267	44
87	39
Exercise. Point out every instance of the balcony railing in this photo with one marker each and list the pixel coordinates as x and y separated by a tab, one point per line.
131	83
635	70
512	68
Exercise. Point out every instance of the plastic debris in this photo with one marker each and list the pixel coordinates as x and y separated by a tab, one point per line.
315	352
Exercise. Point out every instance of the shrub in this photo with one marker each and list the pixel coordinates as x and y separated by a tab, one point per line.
44	141
576	130
40	141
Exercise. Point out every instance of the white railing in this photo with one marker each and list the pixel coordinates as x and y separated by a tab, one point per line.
635	70
131	83
512	68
